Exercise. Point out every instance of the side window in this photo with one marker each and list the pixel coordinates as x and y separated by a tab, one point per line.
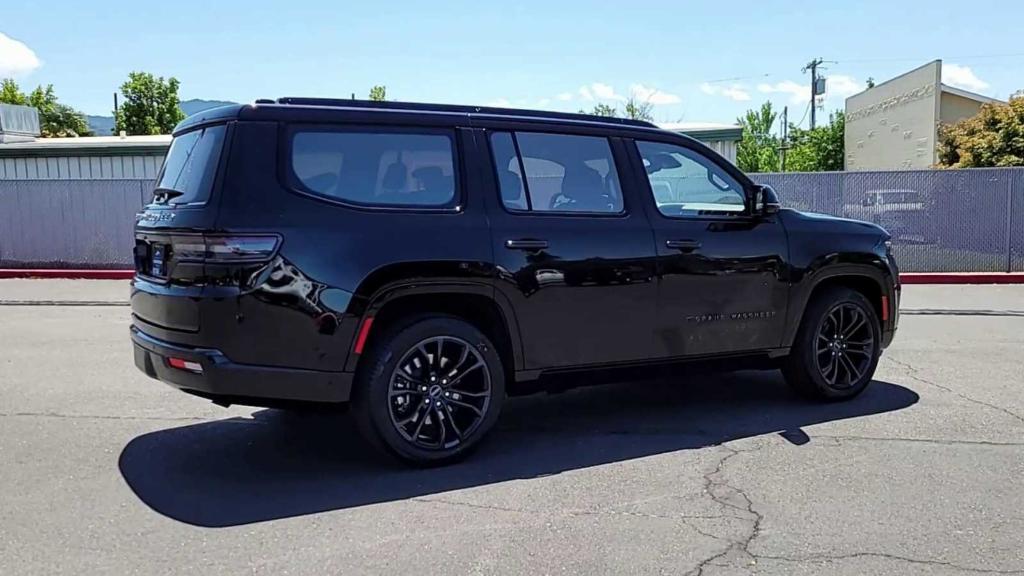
376	168
685	183
510	177
564	173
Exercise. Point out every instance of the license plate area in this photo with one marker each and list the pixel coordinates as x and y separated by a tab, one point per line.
152	258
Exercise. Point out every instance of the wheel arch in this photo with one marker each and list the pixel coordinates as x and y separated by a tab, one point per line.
866	279
477	303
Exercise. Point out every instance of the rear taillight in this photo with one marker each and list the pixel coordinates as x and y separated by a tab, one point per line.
224	249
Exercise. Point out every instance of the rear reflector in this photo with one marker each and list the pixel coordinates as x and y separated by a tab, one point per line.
187	365
885	308
364	332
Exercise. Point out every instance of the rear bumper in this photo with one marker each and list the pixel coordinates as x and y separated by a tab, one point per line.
235	383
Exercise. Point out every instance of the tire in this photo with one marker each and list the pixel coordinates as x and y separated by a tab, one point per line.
837	347
401	410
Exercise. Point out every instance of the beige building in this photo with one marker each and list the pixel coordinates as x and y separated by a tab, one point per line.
894	126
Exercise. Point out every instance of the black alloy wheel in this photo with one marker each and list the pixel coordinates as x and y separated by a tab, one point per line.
439	392
429	389
845	345
837	347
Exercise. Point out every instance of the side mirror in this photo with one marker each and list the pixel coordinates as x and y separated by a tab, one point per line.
763	200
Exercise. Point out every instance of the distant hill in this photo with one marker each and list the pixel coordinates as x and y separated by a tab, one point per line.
104	125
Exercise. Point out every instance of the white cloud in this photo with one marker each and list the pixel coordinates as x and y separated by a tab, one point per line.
962	77
585	93
564	96
16	58
836	86
500	103
797	92
653	95
605	92
844	86
736	92
543	102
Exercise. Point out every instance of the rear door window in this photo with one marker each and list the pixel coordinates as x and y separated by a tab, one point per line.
564	173
190	166
394	168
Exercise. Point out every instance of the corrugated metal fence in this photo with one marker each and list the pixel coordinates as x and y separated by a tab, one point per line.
941	220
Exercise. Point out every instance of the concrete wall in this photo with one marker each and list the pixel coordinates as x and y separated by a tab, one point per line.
954	108
893	125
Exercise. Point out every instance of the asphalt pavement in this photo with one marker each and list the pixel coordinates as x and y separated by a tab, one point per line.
104	471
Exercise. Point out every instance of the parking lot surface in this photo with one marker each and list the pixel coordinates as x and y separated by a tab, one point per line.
103	471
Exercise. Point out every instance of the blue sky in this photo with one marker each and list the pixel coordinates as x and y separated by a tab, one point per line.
562	55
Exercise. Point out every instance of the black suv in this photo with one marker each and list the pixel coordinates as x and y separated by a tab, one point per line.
421	262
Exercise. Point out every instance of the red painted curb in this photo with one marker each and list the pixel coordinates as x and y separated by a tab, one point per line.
905	278
60	273
962	278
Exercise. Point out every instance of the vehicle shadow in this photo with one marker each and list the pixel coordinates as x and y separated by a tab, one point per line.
278	465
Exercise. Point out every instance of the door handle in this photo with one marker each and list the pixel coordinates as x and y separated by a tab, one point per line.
683	245
525	244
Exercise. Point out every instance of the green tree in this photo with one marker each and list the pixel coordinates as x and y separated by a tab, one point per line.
639	110
150	105
994	137
11	94
818	150
603	110
55	119
379	93
758	150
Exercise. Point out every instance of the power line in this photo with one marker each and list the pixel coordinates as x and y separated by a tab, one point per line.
872	60
918	59
806	110
737	78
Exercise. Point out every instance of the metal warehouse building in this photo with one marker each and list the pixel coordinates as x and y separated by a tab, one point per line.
94	158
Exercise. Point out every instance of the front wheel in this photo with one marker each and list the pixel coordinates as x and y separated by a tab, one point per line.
431	390
837	347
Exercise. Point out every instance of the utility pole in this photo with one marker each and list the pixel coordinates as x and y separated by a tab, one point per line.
813	67
816	89
785	138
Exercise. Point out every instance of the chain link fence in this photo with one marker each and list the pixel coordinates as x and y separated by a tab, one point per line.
69	223
940	220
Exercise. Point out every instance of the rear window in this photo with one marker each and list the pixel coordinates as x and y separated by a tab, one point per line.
413	169
191	164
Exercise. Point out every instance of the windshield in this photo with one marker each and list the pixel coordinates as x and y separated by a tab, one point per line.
191	163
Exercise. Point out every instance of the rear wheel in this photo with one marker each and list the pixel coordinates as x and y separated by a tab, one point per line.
432	389
837	347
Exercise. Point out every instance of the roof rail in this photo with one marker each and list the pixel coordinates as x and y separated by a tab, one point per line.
458	108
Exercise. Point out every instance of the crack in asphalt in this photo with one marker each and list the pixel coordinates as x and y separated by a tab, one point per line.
914	373
101	417
826	558
686	519
922	440
713	485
